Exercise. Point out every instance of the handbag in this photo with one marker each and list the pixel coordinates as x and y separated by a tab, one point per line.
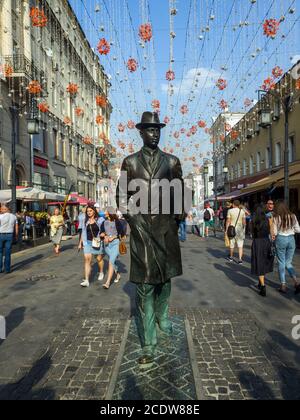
272	250
231	231
122	248
96	242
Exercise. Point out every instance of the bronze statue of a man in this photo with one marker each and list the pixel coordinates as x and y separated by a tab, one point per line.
154	243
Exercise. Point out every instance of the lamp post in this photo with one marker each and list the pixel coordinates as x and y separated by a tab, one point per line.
14	112
205	172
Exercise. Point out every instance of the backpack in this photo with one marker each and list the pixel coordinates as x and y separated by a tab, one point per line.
231	232
207	215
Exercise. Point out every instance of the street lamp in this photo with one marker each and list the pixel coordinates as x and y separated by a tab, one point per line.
205	172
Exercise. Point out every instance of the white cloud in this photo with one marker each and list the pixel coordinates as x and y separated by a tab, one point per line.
196	80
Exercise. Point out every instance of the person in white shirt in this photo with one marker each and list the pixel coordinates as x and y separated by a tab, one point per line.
285	226
8	228
237	217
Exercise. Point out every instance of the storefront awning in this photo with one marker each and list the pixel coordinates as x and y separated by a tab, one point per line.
230	196
275	179
29	194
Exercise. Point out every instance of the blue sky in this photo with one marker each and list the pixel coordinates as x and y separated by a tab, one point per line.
214	38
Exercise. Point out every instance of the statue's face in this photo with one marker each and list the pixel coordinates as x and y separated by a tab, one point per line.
151	137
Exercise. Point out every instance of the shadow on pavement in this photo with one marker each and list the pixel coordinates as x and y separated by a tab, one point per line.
13	320
29	261
23	388
256	387
130	288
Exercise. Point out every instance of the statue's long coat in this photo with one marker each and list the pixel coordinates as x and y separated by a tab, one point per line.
154	242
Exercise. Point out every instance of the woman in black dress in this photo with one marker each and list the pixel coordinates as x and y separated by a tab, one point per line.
262	259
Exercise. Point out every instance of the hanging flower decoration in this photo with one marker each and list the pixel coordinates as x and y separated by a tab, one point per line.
67	121
102	136
122	145
271	27
170	75
155	104
121	128
145	32
8	70
72	89
222	84
201	124
298	84
88	140
106	162
277	72
193	130
131	148
166	120
223	104
34	87
269	84
177	145
132	65
183	131
102	152
103	47
248	102
176	135
43	107
38	17
99	119
101	101
131	125
184	109
234	134
79	112
207	130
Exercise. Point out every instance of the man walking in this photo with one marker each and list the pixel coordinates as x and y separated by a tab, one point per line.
8	228
154	242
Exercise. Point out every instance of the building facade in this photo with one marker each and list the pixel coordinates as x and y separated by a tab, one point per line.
255	147
51	82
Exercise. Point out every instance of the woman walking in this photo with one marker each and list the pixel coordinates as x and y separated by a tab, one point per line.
112	231
92	244
286	226
56	230
262	258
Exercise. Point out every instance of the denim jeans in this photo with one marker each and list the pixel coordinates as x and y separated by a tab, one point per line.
6	241
182	231
285	248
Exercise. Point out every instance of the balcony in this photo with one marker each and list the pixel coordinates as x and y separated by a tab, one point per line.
25	69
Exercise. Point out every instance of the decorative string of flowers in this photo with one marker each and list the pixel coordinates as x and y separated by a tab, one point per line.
101	101
131	125
184	109
43	107
103	47
298	84
38	17
271	27
121	128
155	104
8	70
34	87
72	89
88	140
145	32
132	65
170	75
223	104
67	121
79	112
201	124
99	119
222	84
269	84
277	72
166	120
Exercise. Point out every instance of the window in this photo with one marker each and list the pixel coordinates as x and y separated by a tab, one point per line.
291	149
258	162
239	170
81	187
41	181
40	141
268	157
55	143
63	148
60	184
244	167
278	154
251	165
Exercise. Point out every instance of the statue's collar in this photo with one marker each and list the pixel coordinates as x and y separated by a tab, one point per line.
149	152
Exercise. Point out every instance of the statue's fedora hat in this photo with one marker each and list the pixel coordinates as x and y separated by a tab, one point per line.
150	119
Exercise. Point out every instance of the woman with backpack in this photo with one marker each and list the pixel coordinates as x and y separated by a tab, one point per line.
112	232
262	255
286	226
235	229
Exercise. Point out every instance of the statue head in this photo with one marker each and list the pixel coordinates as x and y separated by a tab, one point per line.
150	129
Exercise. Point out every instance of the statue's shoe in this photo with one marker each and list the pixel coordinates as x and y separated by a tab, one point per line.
146	360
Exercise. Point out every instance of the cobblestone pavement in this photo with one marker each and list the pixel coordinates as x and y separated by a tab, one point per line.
77	364
63	344
169	378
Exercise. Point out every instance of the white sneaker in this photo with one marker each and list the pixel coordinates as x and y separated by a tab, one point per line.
118	278
101	277
85	283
